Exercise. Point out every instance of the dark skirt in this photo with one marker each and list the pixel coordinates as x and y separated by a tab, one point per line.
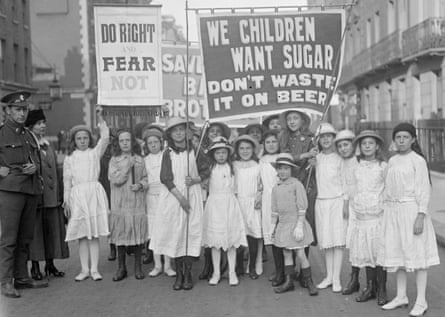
49	235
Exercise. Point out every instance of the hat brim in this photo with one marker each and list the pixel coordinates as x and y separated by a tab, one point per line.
246	138
276	164
377	137
213	149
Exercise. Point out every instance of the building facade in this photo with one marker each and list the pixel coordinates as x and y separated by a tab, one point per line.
15	47
393	68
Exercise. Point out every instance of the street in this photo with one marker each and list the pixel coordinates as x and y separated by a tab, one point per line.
155	297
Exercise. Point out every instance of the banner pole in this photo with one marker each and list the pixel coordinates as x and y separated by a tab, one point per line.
187	122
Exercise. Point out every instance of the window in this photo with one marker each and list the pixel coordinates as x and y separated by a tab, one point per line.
27	75
24	12
16	63
391	16
377	27
368	33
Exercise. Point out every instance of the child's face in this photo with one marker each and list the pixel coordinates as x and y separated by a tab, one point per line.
369	147
271	144
256	134
326	141
284	171
82	140
221	155
345	148
178	133
245	151
274	124
403	141
125	142
153	144
294	121
214	131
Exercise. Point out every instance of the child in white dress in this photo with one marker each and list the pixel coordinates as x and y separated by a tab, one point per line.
223	226
367	206
344	145
85	200
249	192
154	143
409	242
329	207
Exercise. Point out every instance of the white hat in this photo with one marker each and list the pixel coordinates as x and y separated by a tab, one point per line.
344	135
325	128
220	142
286	159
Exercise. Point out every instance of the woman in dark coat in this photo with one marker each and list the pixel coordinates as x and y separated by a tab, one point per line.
49	231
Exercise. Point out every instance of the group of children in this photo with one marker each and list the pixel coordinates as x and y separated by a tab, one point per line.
276	184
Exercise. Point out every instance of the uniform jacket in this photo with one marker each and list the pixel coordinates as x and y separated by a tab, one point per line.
18	146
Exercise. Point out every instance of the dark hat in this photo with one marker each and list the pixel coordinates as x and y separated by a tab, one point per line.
268	133
34	116
268	119
139	128
152	132
251	126
405	126
306	118
16	99
224	128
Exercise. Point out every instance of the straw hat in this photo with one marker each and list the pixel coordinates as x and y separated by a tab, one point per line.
246	138
344	135
325	128
285	159
152	132
173	122
368	134
79	127
246	129
306	118
220	143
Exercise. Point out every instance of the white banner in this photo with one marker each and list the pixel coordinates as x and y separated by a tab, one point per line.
128	55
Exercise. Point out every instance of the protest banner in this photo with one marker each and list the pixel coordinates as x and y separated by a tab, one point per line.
128	55
259	63
174	59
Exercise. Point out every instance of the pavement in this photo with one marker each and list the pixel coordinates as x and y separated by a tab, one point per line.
437	206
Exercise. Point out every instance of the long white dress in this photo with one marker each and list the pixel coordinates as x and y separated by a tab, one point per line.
347	170
367	205
407	193
153	165
330	224
269	179
170	230
85	195
247	187
223	225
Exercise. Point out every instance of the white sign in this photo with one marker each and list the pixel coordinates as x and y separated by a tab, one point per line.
128	55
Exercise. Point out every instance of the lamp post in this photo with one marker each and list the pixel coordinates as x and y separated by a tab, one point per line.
55	89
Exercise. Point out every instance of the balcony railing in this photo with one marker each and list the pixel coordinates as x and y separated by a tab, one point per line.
423	38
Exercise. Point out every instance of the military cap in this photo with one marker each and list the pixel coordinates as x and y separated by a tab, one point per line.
16	99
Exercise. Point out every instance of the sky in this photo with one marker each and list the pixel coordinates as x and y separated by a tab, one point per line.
177	9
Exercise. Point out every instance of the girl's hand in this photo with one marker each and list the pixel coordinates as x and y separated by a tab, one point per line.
418	224
66	209
4	171
189	181
312	162
298	232
136	187
346	209
185	204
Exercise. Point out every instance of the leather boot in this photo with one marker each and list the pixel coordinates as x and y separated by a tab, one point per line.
288	284
112	255
253	252
353	284
35	271
239	268
278	258
188	280
122	268
50	269
138	273
369	292
148	257
208	265
382	299
301	278
307	276
179	282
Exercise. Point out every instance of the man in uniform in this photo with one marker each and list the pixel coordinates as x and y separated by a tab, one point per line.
20	187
